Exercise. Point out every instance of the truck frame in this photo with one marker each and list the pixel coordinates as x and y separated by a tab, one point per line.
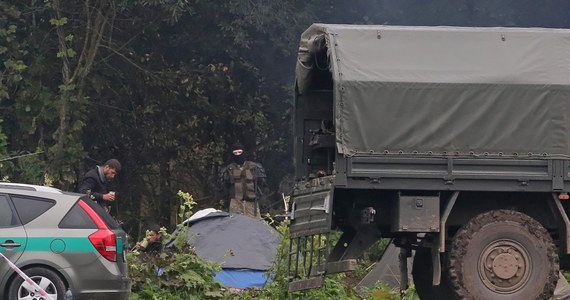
452	141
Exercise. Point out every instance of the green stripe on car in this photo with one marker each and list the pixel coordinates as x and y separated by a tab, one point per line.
55	244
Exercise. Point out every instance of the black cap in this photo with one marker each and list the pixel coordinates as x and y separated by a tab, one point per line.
154	227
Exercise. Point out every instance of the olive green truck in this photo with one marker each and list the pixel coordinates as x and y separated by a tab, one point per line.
454	142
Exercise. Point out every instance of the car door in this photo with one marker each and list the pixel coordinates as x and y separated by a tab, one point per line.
13	237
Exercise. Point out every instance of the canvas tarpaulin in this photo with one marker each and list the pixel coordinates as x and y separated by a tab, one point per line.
444	89
244	247
235	241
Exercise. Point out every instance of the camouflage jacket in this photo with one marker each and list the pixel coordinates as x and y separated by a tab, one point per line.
243	182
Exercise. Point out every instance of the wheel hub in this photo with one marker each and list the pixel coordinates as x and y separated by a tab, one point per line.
504	266
27	292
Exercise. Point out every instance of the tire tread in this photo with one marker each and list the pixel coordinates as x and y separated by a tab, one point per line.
462	239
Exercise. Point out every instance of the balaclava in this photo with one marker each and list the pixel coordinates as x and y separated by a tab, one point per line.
238	159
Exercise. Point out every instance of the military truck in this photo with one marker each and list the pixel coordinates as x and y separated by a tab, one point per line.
452	141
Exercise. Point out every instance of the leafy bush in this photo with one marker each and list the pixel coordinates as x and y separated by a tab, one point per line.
370	257
178	273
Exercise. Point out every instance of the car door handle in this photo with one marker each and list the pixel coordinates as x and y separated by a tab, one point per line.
10	244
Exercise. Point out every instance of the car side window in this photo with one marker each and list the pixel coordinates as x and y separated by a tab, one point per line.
7	216
77	218
30	208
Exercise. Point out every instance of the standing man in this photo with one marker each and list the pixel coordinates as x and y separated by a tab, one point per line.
242	181
94	183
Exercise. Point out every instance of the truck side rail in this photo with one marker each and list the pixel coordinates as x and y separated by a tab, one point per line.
462	174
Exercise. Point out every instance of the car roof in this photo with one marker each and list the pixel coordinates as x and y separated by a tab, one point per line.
29	187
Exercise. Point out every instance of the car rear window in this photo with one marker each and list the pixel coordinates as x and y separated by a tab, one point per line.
107	218
29	208
77	218
7	216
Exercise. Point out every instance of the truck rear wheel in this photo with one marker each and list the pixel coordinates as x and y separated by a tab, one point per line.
503	254
422	273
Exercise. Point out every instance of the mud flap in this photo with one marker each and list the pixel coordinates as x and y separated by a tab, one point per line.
311	217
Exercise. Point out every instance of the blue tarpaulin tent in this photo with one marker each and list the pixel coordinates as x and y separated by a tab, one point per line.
246	247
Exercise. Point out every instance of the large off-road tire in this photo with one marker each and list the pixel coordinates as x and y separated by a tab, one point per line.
503	254
46	279
422	273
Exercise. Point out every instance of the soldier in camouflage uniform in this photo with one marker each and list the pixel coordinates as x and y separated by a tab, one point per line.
242	181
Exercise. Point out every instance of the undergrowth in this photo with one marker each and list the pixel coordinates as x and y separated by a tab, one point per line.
178	273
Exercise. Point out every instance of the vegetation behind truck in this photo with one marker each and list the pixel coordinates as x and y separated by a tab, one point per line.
452	141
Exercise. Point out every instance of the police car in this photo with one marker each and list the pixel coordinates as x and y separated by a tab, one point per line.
61	242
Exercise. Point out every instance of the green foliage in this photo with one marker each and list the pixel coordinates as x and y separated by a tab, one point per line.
29	166
385	292
176	272
370	257
12	50
174	8
3	143
58	22
67	53
3	152
168	114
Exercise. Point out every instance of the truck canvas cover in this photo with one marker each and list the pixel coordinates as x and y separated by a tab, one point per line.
443	90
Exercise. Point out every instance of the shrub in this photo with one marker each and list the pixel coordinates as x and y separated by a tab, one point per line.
178	273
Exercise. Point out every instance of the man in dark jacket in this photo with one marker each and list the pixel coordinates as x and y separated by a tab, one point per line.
94	183
152	243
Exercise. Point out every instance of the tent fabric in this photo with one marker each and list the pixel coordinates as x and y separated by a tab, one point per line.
438	90
242	278
235	241
205	214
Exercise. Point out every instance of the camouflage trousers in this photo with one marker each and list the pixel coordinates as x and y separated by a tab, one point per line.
242	207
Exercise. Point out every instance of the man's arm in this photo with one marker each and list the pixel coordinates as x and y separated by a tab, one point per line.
259	173
87	186
259	179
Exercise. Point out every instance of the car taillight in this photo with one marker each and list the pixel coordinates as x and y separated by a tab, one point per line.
104	240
